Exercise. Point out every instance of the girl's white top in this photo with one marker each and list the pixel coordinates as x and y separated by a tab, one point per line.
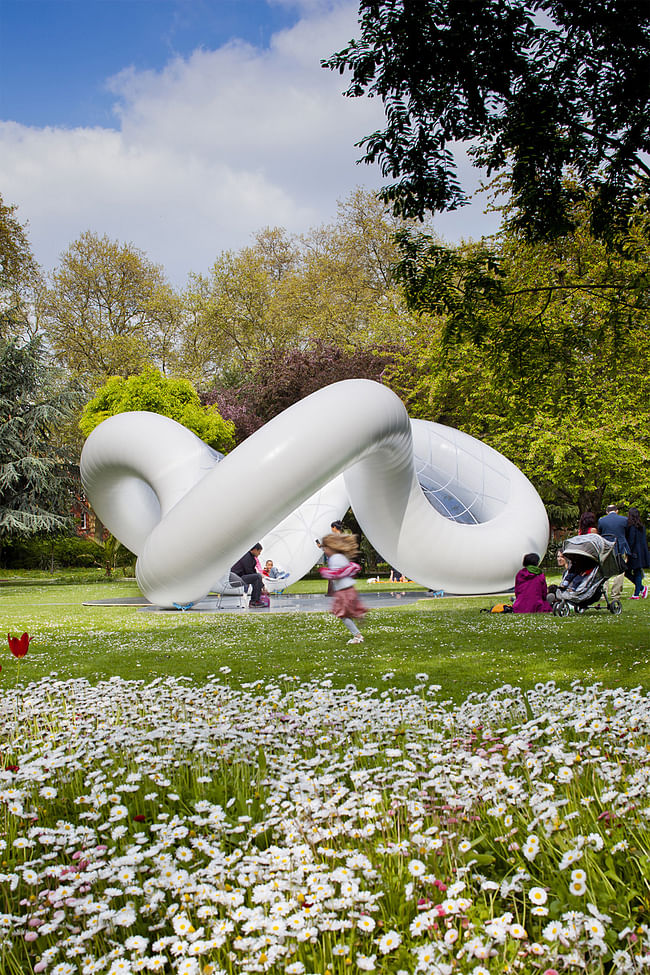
338	561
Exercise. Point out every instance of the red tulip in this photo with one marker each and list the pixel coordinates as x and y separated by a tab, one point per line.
19	645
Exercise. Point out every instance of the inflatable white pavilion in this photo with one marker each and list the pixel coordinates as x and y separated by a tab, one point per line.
444	508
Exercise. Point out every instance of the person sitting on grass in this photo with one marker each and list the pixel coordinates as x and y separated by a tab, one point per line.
530	587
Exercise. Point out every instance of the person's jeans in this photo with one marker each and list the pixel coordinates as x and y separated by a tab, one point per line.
637	579
254	580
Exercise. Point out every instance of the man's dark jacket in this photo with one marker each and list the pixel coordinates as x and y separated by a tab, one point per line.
612	527
245	566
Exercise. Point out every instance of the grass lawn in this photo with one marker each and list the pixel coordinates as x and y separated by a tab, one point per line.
449	639
314	807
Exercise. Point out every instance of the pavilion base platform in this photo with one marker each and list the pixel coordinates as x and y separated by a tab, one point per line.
284	603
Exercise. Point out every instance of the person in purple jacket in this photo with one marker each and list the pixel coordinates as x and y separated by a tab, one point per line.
530	588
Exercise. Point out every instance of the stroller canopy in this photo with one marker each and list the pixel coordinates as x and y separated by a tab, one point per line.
598	549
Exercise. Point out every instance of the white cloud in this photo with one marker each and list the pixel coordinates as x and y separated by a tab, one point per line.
206	152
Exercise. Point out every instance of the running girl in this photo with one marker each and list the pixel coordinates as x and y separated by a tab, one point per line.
347	606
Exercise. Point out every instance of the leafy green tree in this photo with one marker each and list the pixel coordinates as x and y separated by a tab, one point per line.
462	284
175	398
110	311
37	474
550	363
535	86
344	291
37	471
20	279
235	312
333	285
17	262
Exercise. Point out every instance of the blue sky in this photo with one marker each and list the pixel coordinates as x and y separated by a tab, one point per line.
57	54
181	126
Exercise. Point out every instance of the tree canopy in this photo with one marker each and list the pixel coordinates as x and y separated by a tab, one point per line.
543	351
19	276
284	377
534	86
37	472
332	285
109	310
175	398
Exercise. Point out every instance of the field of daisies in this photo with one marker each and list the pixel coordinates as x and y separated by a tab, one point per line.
296	827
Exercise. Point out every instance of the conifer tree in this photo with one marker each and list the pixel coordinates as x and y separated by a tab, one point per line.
37	477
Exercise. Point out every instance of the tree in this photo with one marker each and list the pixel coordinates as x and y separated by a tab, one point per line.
282	378
37	474
175	398
535	86
19	278
332	285
345	292
549	363
461	284
235	314
110	311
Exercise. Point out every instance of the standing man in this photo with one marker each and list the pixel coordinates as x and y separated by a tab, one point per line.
612	527
246	569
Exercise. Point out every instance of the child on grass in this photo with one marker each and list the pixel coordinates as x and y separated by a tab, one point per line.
341	571
530	587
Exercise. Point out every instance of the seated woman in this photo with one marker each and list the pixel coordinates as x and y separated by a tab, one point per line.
530	587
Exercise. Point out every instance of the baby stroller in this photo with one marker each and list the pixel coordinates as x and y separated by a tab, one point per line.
592	560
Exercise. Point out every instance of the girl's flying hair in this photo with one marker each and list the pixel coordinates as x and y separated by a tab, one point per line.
345	544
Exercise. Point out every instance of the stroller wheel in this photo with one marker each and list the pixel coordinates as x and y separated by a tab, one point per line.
561	608
615	607
581	609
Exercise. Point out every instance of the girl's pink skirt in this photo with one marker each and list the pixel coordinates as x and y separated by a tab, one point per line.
348	605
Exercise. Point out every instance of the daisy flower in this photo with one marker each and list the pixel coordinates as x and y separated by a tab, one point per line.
537	895
389	942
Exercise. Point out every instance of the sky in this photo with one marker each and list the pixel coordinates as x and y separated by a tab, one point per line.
182	127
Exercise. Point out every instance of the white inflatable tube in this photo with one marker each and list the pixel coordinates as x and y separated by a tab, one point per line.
162	492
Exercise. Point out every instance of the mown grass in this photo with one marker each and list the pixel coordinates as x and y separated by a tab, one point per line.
448	639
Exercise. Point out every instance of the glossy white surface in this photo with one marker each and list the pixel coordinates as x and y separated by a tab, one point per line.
189	516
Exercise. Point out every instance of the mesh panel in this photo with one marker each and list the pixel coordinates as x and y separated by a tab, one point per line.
460	477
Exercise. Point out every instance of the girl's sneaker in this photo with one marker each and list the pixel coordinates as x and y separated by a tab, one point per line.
644	593
356	639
